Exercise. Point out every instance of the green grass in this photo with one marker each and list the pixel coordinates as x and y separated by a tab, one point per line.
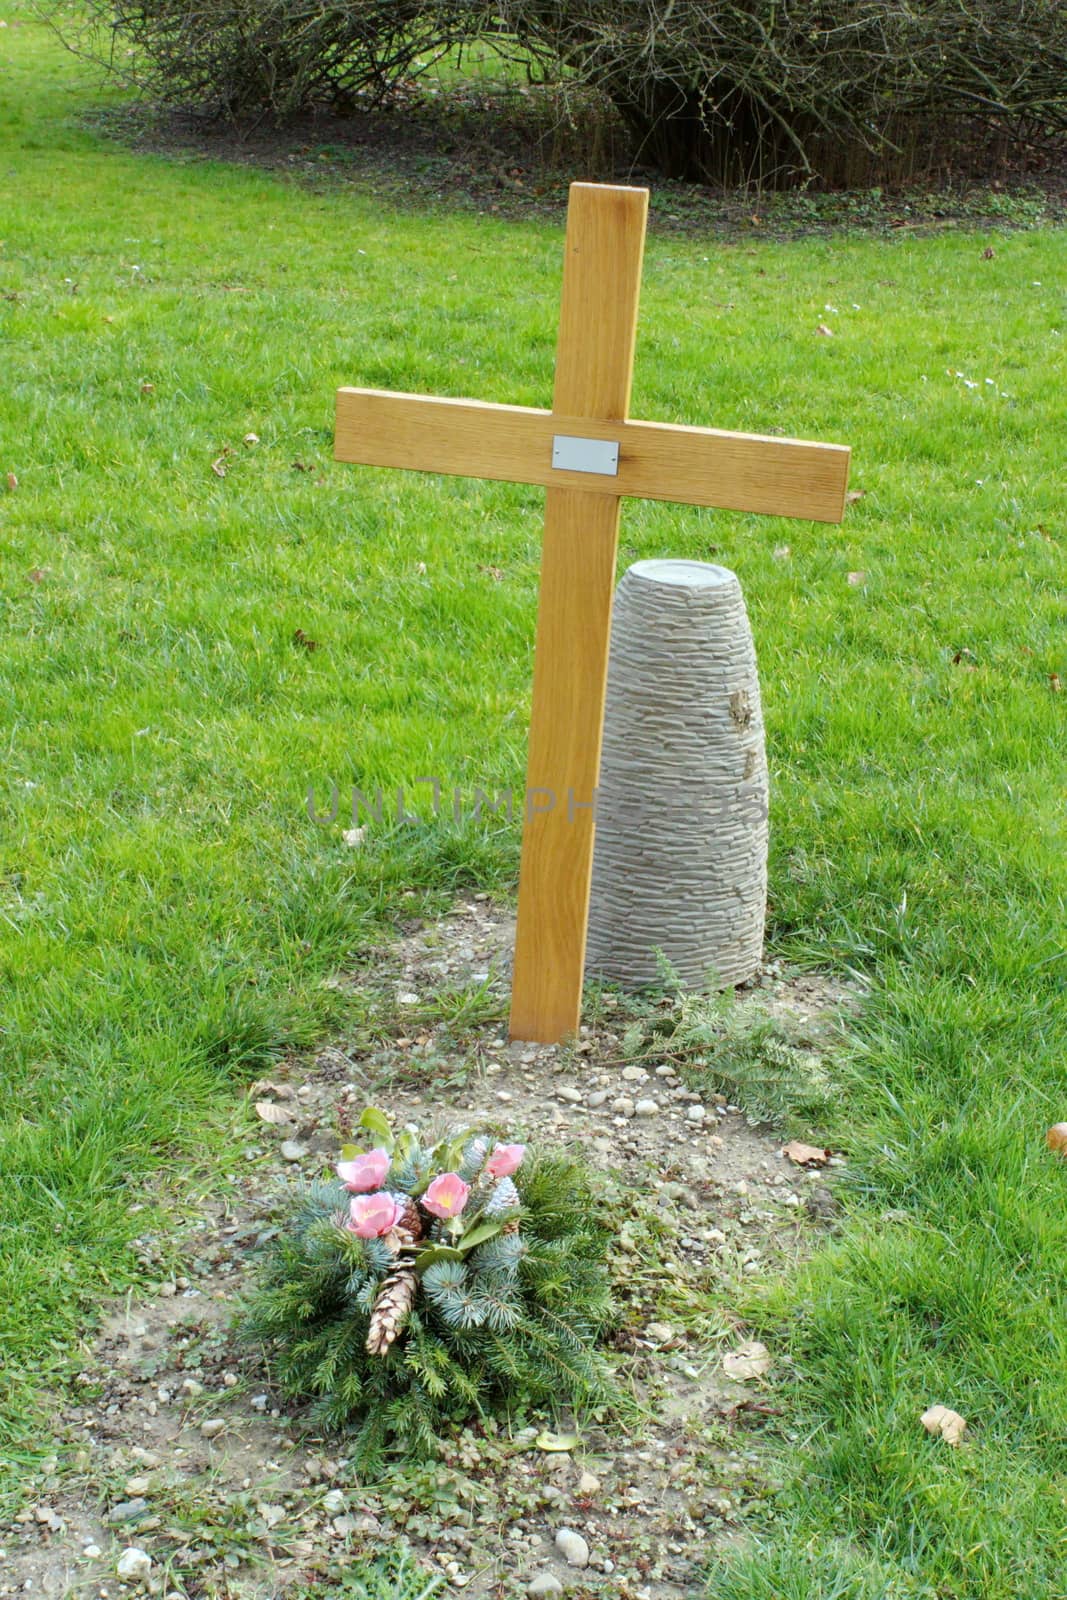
169	911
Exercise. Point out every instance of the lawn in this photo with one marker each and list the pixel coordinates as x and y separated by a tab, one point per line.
173	539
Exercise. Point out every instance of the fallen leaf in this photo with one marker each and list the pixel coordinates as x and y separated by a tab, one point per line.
556	1441
36	574
855	579
1054	683
749	1360
354	836
218	467
420	568
250	439
492	572
147	388
805	1155
824	331
269	1111
1056	1138
302	466
12	481
988	253
944	1423
782	552
301	638
853	495
280	1091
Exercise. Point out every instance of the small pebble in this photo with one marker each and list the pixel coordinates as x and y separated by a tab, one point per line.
333	1502
588	1484
598	1097
127	1511
572	1547
212	1428
634	1074
544	1583
292	1151
646	1108
134	1566
573	1097
695	1114
91	1552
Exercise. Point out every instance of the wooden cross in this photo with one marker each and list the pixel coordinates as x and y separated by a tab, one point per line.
587	455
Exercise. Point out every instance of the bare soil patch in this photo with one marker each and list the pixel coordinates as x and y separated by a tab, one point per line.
173	1441
513	152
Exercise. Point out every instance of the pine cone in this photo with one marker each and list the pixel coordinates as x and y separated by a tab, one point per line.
395	1299
411	1221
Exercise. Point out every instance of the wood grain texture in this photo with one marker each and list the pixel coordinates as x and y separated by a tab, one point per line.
563	765
594	367
657	461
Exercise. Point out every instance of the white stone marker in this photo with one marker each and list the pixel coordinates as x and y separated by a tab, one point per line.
680	856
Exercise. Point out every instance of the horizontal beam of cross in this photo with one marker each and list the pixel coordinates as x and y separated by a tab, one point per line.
657	461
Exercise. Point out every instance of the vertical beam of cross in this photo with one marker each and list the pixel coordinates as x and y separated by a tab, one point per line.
594	368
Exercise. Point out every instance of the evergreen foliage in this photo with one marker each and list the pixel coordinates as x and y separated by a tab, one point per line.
511	1321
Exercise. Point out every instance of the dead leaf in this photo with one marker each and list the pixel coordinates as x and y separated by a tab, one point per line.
36	574
495	573
270	1111
354	836
250	439
301	638
1054	683
1056	1138
420	568
856	579
988	254
302	466
749	1360
147	388
944	1423
12	481
280	1091
782	552
824	331
853	495
805	1155
218	466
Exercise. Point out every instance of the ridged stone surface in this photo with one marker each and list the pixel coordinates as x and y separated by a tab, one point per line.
680	860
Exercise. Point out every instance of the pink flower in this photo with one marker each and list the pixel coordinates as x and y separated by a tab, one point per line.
505	1159
365	1172
446	1196
371	1215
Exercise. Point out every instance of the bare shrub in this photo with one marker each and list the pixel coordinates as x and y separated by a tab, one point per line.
774	90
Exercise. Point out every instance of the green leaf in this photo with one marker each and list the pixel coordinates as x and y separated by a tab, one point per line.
478	1235
436	1253
377	1123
